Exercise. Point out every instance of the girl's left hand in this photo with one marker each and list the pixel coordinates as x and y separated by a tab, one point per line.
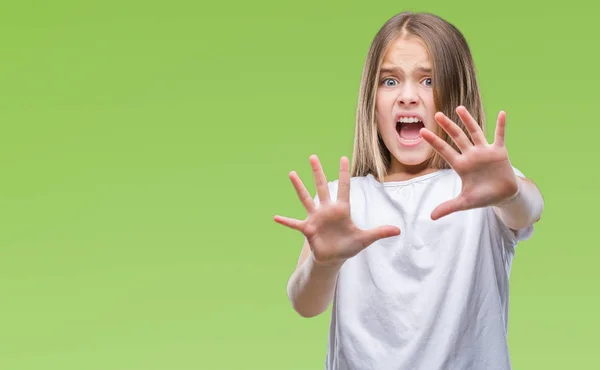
485	169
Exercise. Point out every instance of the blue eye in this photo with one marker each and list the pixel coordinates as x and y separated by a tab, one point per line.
429	80
387	79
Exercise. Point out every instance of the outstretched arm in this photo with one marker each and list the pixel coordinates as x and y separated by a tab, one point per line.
331	238
488	178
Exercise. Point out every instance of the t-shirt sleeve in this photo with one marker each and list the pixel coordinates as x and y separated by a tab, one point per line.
512	236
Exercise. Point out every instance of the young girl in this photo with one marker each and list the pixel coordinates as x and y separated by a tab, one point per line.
414	246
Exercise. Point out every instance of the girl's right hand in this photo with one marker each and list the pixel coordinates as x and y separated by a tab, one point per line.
332	235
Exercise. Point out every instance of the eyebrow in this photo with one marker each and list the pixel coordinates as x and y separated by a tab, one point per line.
397	69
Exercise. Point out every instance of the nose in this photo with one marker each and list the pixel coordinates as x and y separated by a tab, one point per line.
407	95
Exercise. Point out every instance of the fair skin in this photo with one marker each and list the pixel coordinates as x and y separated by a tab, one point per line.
331	237
405	89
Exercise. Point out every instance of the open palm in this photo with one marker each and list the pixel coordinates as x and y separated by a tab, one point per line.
485	169
328	227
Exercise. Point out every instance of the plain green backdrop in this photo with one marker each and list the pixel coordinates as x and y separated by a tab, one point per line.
145	147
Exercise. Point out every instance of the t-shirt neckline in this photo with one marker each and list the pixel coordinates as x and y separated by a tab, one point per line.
427	176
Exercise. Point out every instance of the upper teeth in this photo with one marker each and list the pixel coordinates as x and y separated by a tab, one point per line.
409	120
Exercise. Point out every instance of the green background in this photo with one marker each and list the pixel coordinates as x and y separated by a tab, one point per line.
145	148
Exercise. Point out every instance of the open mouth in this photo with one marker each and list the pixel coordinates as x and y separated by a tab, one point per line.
409	128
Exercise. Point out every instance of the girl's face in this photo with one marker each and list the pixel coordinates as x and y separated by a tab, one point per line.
404	104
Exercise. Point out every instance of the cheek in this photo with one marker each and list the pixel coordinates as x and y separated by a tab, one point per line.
378	102
379	109
429	103
428	96
383	105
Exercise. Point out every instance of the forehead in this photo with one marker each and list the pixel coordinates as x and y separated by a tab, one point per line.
406	52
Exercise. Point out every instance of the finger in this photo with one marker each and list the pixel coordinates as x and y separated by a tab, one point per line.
320	180
449	207
455	132
303	194
370	236
440	146
500	135
289	222
344	181
474	129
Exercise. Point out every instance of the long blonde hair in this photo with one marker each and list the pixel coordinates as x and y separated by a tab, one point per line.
454	80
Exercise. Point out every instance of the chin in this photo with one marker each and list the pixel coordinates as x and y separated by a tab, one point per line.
413	157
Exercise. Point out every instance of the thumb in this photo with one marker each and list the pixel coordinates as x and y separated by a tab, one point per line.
448	207
369	237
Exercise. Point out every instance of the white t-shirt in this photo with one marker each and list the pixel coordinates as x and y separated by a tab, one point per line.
434	297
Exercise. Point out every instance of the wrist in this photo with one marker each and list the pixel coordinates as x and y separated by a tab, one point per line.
512	199
326	265
522	208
